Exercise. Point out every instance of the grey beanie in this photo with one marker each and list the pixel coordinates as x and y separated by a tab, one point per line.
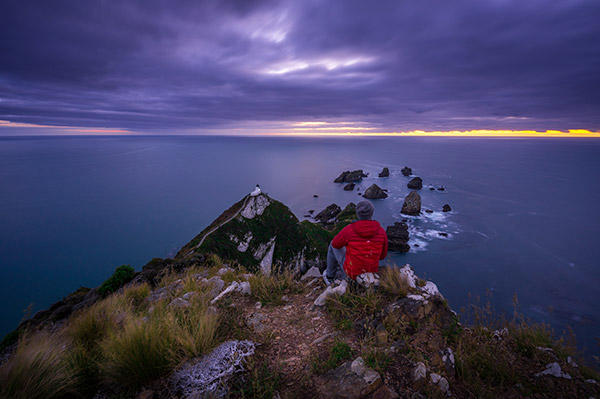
364	210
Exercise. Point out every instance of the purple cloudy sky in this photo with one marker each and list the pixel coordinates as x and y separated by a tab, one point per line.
233	66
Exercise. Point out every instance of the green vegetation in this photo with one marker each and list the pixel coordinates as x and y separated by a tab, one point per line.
122	275
269	289
338	354
377	359
9	339
262	384
354	305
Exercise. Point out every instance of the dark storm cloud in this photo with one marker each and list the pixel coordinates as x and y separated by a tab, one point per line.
397	65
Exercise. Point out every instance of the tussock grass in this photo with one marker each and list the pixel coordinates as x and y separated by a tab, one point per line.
39	369
394	282
138	354
377	359
269	289
354	306
261	383
135	295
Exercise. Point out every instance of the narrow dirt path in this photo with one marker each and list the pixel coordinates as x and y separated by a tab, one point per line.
224	223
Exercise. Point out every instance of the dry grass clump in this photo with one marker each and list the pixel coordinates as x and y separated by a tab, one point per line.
135	295
394	282
139	353
39	369
270	289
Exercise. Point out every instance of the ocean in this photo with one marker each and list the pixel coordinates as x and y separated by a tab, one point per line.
525	216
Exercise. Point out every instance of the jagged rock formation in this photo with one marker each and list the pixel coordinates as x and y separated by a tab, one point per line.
398	237
328	214
375	192
416	183
406	171
350	176
385	172
412	204
263	234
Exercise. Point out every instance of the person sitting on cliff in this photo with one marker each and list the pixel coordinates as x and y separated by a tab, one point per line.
358	247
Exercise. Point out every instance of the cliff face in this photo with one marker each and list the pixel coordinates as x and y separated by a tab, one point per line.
263	235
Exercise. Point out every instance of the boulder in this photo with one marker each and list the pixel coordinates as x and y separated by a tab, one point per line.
446	208
374	192
352	380
398	237
412	204
349	186
406	171
385	173
329	213
350	176
416	183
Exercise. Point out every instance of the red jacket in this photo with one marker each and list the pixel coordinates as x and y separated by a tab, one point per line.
366	244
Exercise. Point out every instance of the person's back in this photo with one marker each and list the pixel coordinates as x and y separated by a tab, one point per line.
365	244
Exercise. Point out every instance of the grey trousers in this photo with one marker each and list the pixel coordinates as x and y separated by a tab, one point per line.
335	263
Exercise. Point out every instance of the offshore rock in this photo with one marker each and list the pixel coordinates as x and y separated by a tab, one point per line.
446	208
350	177
416	183
349	187
398	237
406	171
412	204
328	214
385	173
375	192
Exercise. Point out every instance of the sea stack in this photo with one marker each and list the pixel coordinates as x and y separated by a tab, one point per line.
385	173
416	183
412	204
374	192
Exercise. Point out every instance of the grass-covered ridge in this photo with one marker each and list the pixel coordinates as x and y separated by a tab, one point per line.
293	239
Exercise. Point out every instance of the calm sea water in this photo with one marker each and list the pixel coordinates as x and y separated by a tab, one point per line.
525	219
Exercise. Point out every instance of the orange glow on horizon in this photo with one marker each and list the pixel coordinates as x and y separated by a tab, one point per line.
450	133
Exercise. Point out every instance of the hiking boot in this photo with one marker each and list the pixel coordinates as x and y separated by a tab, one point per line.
328	280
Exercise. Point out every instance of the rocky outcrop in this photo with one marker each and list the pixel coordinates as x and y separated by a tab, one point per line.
263	234
349	187
412	204
328	214
351	380
384	173
416	183
406	171
350	176
446	208
374	192
398	237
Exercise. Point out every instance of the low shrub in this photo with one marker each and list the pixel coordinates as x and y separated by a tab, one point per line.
122	275
338	353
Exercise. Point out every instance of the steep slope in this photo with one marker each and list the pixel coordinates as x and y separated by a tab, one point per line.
262	234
